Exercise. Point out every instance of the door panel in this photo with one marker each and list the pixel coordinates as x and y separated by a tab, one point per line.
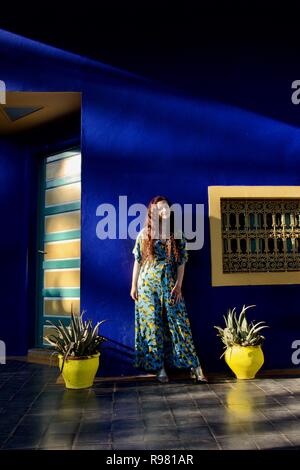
62	277
61	306
62	222
59	246
63	167
62	249
63	194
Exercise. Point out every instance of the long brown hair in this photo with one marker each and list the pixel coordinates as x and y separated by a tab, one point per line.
148	241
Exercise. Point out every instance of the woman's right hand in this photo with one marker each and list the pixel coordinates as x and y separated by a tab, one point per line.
134	293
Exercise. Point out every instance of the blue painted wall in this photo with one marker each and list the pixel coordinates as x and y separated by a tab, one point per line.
139	140
14	243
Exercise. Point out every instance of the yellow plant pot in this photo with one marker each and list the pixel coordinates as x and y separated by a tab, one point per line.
244	361
79	372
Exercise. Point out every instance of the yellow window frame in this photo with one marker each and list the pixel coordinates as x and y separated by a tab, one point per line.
218	278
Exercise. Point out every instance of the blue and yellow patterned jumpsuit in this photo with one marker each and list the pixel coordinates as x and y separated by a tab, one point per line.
162	330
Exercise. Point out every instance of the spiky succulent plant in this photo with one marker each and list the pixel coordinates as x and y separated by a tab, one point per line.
238	331
78	339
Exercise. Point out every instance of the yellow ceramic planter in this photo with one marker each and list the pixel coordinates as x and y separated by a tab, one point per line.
79	372
244	361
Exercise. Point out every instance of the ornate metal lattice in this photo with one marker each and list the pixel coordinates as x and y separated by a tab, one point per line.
260	235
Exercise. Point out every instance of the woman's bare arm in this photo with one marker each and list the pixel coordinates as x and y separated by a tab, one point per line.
135	276
180	274
176	291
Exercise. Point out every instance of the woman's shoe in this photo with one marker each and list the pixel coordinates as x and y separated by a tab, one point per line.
162	376
197	374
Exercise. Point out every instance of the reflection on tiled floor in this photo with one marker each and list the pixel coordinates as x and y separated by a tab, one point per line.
38	413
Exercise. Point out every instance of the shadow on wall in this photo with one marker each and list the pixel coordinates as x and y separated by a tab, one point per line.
140	140
142	143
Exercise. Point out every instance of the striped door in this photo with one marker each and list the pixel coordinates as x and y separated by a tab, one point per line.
59	253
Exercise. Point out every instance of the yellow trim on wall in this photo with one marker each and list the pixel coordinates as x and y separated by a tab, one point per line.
215	193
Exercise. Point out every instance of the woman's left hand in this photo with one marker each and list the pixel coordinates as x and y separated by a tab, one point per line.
176	293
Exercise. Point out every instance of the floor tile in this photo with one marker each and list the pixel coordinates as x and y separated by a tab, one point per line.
92	447
272	441
236	443
155	444
36	412
210	444
163	433
93	438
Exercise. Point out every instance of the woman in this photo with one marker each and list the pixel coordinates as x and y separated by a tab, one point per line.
162	328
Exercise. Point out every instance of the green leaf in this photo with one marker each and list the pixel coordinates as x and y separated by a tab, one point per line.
237	329
80	338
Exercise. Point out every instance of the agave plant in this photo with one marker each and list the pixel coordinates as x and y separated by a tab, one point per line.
238	331
79	339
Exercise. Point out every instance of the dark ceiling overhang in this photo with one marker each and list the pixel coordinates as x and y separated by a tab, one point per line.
14	113
137	35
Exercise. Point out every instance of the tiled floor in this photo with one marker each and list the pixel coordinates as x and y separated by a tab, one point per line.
38	413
